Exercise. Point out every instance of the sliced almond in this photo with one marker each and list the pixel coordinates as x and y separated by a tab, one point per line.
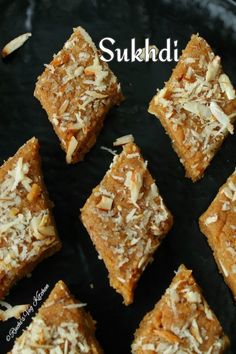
197	108
71	149
134	181
63	107
34	193
124	140
168	336
15	311
14	44
105	203
226	86
47	230
213	69
211	219
221	117
194	329
14	211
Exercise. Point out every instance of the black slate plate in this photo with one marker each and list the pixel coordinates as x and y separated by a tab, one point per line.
21	117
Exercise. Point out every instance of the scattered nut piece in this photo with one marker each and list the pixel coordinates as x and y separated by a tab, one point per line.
168	336
226	86
134	182
15	44
124	140
105	203
221	117
10	312
71	149
14	211
211	219
213	69
34	193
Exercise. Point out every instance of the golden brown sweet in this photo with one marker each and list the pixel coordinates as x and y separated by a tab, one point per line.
197	107
61	326
126	219
218	224
77	89
27	229
181	322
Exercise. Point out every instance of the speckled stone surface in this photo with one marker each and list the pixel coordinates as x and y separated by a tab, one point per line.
21	117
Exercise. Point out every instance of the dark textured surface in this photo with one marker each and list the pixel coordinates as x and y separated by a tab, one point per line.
21	117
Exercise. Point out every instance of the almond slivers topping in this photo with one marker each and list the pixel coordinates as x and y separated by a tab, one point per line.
105	203
10	312
134	181
221	117
14	44
197	108
71	149
211	219
226	86
124	140
213	69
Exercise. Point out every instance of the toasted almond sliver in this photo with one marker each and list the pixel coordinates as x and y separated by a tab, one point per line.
221	117
168	336
211	219
105	203
47	230
15	311
124	140
213	69
71	149
15	44
197	108
226	86
34	193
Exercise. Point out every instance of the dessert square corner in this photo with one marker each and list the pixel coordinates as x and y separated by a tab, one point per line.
61	325
77	89
181	322
27	227
197	106
126	219
218	224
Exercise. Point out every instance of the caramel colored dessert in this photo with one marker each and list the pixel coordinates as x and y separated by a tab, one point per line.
126	219
197	107
218	224
27	229
181	322
76	90
61	326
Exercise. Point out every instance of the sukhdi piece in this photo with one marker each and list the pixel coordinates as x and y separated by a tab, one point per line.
168	53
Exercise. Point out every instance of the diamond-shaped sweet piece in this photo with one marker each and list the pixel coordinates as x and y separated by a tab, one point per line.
197	107
181	322
60	326
126	219
77	89
218	224
27	229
